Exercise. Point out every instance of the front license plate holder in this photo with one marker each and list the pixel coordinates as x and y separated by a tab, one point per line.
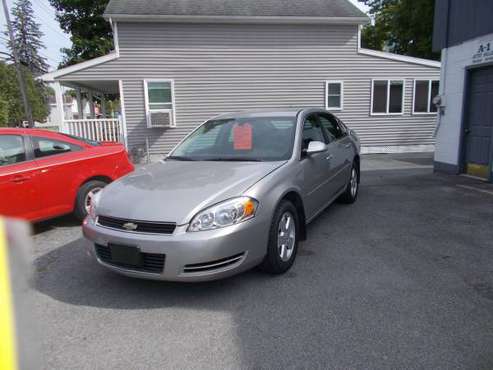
125	255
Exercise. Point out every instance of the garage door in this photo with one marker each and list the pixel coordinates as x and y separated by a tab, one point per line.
479	123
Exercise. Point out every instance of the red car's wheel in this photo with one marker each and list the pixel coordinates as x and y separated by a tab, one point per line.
84	196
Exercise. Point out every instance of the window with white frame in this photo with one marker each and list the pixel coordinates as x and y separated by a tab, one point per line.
334	95
159	99
424	92
387	97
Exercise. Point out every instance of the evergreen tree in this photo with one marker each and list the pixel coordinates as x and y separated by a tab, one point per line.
27	35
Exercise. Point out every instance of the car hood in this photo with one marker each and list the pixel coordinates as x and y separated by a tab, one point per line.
174	191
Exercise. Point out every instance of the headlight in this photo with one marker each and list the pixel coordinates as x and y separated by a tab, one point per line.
229	212
94	204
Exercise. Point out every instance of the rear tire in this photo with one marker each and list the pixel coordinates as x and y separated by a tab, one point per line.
283	239
83	197
351	193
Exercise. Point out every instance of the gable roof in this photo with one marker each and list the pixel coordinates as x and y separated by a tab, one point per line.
280	10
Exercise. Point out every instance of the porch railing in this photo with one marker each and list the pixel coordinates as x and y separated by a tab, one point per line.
103	129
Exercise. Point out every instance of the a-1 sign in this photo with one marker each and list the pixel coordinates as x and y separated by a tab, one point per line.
484	53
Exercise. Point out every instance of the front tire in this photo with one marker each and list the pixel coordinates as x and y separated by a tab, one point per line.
84	196
351	193
283	239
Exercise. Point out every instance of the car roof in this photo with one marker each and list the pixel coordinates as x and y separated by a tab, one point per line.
28	131
54	135
281	112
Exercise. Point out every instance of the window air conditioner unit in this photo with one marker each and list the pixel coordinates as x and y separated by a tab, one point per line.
160	119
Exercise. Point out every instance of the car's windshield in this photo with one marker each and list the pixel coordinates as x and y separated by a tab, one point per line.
240	139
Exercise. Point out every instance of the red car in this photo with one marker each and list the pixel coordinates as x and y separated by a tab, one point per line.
45	174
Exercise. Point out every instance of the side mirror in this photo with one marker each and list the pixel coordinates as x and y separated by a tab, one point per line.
315	147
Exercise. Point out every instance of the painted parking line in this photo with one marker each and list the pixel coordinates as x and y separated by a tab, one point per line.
475	189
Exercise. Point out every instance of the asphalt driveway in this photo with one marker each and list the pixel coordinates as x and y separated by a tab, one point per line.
401	279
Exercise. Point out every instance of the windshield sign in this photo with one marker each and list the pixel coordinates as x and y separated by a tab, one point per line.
240	139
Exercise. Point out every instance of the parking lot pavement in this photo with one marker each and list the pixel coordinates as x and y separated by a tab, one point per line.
401	279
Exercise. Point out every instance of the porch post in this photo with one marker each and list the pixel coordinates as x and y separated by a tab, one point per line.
80	109
90	97
123	117
103	105
60	106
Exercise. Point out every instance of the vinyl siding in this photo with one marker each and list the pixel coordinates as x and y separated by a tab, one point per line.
220	68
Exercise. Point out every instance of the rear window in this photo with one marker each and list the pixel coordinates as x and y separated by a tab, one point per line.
87	141
44	147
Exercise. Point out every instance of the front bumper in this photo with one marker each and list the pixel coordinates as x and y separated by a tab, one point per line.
184	251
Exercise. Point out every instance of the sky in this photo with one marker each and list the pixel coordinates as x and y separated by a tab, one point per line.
54	38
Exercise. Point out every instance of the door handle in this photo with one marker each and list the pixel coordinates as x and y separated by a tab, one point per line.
19	179
329	157
347	146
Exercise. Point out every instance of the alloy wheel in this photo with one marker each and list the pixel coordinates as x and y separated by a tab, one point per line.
286	236
89	196
354	182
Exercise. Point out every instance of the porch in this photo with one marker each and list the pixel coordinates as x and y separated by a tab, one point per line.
91	109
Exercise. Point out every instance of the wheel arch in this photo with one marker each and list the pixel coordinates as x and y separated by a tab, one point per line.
103	178
357	161
295	198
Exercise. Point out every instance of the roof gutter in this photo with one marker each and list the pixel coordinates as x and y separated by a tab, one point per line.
235	19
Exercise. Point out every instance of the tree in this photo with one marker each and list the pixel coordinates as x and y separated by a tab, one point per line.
401	26
11	109
27	38
91	33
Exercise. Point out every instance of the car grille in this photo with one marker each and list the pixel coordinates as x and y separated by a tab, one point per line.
137	226
213	265
151	262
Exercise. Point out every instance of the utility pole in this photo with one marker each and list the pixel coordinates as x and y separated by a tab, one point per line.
20	78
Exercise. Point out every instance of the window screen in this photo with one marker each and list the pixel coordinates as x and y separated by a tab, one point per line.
160	95
387	96
334	95
421	96
380	96
424	92
396	91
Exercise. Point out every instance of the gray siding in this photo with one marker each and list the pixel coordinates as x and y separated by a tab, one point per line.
221	68
457	21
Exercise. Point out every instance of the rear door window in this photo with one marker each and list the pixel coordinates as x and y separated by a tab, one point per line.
332	126
44	147
12	149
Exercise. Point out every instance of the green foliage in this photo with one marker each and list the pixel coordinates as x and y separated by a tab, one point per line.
4	111
401	26
91	33
11	108
27	38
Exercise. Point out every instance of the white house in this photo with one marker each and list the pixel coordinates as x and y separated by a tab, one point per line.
176	64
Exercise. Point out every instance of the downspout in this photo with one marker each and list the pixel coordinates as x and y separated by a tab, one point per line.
443	70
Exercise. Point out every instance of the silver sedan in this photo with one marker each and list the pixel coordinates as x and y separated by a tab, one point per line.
236	193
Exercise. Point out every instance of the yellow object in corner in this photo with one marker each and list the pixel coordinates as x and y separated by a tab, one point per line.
8	356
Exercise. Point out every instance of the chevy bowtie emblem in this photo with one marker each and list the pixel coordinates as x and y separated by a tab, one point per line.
130	226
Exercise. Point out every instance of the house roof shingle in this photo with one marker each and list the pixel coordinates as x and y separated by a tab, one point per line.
234	8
